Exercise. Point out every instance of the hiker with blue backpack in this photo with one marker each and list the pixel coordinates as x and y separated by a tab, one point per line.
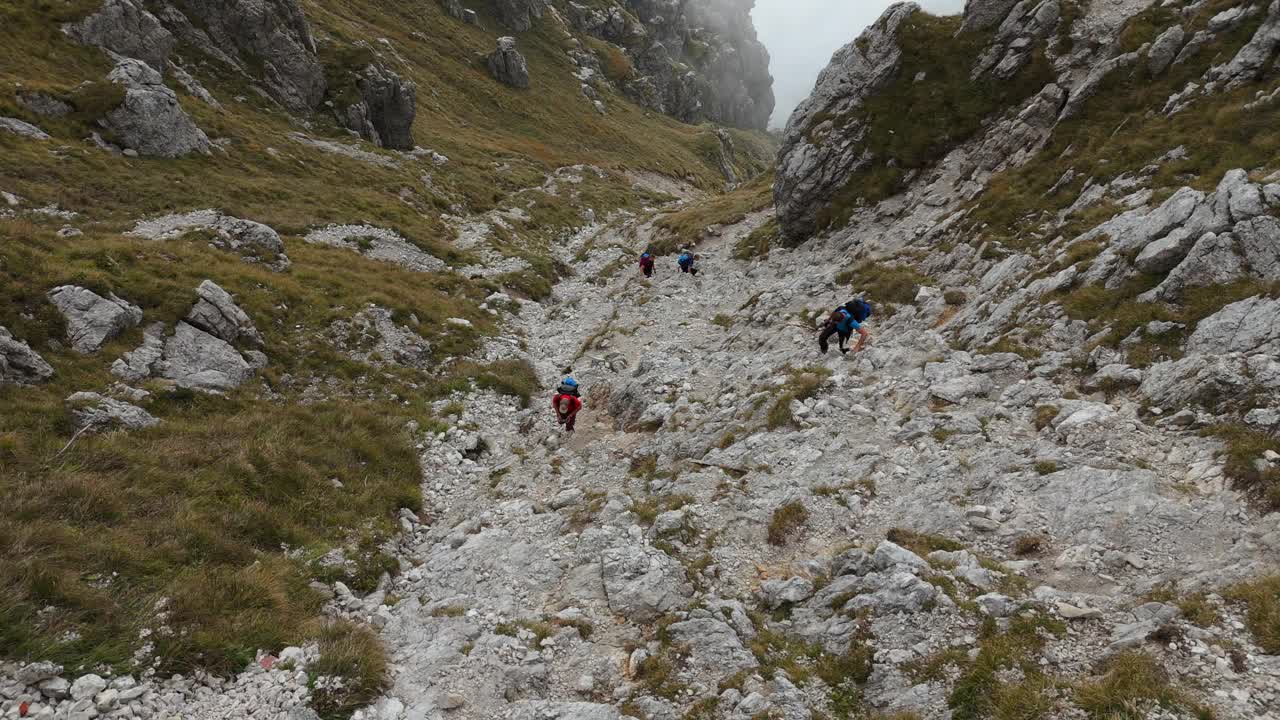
688	262
844	321
566	403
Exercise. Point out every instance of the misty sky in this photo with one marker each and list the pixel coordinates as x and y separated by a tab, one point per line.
803	34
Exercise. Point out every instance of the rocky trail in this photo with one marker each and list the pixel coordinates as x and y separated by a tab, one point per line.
557	574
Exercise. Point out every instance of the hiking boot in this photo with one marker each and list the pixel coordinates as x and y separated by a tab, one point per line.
844	351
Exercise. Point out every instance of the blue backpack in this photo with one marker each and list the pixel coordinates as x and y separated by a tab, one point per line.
860	309
685	259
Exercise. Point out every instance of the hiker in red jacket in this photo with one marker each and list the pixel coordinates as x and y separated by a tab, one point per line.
646	264
567	403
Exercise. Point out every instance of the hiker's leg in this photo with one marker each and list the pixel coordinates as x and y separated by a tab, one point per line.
863	335
827	332
569	424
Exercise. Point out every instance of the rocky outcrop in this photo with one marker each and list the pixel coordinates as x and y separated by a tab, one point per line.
126	28
199	354
385	113
1164	50
268	38
1254	58
507	65
694	61
1250	326
22	128
92	319
815	159
19	363
252	241
149	120
985	14
519	15
643	582
372	336
96	412
217	314
196	360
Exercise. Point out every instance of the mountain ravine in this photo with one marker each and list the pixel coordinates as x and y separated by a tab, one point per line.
286	287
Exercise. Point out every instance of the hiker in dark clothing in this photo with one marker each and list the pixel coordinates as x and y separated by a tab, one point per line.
688	263
646	264
843	322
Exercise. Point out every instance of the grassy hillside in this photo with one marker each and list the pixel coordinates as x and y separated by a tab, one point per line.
201	532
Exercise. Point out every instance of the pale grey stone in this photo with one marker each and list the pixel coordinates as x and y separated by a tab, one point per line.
92	319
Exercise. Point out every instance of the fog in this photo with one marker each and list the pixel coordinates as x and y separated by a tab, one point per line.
801	36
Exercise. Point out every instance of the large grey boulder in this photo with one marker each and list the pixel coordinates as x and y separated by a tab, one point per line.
816	158
985	14
384	115
217	314
893	591
150	120
125	28
196	360
642	582
1255	57
776	593
98	412
268	38
1202	379
1249	326
714	647
92	319
1164	49
1259	240
19	363
1213	260
507	65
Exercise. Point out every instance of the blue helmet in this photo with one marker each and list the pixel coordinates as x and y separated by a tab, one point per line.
570	382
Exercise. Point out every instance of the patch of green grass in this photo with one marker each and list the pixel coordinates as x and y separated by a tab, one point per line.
449	611
980	693
1128	681
1244	449
757	244
1261	597
196	509
786	520
922	543
1045	415
1029	544
686	225
1046	467
780	414
885	285
354	654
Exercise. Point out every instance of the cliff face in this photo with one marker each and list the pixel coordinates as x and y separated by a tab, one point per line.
694	60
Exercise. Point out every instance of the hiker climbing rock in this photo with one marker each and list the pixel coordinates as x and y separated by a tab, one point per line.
688	263
567	403
646	264
844	321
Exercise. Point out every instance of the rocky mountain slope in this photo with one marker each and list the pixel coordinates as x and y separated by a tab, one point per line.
276	440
